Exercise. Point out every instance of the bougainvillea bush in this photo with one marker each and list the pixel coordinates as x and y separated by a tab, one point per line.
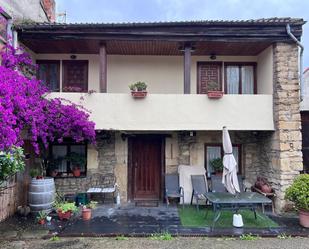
26	109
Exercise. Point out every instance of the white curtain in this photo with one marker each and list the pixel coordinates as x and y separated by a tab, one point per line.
247	80
232	76
60	151
213	152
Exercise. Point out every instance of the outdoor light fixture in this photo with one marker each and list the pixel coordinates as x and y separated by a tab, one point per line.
73	57
213	56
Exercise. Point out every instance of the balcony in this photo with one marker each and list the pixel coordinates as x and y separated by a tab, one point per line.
166	112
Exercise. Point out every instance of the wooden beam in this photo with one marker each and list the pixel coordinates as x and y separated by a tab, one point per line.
187	69
103	68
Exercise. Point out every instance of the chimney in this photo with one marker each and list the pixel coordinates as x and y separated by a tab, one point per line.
49	7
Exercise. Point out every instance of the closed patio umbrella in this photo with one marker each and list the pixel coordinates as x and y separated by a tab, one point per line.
229	177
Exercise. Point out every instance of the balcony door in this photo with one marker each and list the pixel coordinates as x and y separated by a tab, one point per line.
208	72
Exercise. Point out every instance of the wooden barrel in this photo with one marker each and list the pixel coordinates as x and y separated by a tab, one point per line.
41	194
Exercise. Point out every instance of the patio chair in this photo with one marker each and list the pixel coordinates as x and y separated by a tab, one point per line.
172	189
199	188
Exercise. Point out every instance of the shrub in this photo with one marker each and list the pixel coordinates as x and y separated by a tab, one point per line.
298	192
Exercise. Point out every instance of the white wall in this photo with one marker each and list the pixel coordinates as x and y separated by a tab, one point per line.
265	71
168	112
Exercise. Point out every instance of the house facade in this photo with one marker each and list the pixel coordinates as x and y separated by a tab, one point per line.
254	62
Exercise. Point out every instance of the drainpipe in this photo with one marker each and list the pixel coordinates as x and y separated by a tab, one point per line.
302	88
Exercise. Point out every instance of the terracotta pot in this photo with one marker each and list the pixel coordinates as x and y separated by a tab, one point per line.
304	218
266	188
215	94
41	221
139	94
64	216
76	172
86	212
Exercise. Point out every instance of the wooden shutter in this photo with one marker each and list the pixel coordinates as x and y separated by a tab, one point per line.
49	73
75	76
208	72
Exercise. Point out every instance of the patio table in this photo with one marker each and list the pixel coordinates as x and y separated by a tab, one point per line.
226	201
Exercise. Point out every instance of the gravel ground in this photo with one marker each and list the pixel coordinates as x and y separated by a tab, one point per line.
145	243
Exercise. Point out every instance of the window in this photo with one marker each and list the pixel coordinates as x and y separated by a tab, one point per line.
60	158
49	73
240	78
75	76
213	151
3	26
208	72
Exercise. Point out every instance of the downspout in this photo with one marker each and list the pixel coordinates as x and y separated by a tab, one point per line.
301	82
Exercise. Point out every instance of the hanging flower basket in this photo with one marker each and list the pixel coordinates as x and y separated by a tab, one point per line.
215	94
138	89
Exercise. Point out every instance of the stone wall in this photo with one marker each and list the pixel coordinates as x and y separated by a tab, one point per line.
283	147
101	175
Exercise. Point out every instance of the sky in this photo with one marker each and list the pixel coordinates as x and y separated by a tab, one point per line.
185	10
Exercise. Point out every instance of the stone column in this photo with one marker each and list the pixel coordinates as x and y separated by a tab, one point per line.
285	144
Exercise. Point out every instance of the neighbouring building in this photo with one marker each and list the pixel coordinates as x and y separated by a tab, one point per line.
304	107
12	12
254	62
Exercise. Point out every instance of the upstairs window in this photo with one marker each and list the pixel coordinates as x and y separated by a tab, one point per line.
3	27
49	73
75	76
240	78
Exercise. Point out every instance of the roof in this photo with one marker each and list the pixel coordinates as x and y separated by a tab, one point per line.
262	21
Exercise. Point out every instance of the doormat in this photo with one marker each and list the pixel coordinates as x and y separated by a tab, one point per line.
146	203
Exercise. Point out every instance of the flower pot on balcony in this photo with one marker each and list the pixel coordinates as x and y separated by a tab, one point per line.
215	94
139	94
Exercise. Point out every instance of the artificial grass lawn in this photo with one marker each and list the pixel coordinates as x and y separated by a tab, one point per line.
190	217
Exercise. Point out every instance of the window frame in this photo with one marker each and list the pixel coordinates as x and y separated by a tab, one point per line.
68	144
64	76
240	65
58	62
198	77
222	154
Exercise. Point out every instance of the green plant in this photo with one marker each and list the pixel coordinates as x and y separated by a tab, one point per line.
217	164
92	204
248	236
213	86
11	162
76	159
41	215
161	236
284	236
138	86
66	207
298	192
54	238
34	172
121	237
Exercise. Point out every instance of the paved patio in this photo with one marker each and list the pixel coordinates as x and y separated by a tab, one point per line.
129	220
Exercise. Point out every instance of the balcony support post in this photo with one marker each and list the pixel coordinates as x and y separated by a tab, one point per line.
187	69
103	68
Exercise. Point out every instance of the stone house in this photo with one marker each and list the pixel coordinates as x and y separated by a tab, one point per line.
254	62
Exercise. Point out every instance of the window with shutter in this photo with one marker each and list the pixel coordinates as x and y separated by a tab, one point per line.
208	72
49	73
75	76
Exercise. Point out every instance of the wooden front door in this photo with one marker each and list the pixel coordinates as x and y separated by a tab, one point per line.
146	167
305	137
208	72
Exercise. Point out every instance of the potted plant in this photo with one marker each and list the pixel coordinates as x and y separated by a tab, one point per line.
138	89
86	211
36	173
77	161
65	210
213	90
298	193
217	165
41	217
